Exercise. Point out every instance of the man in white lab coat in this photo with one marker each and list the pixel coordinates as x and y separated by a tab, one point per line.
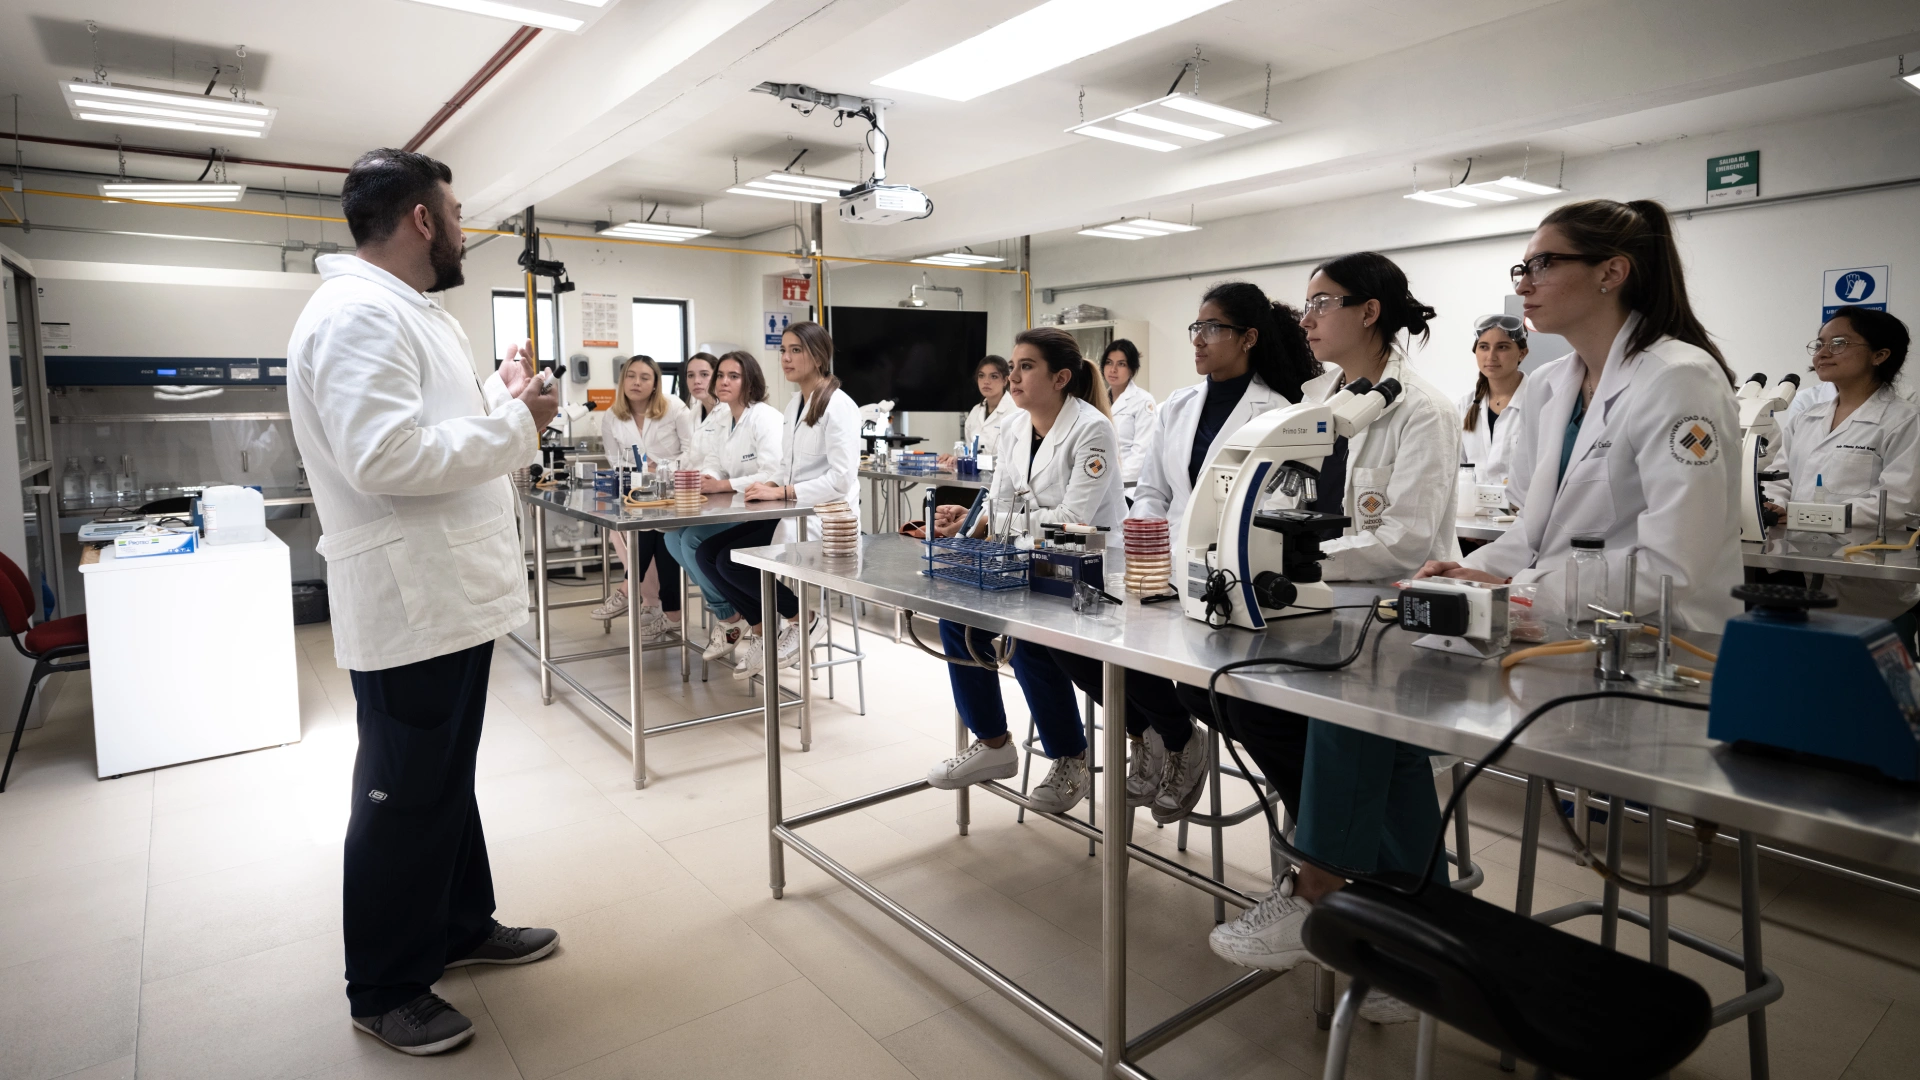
408	454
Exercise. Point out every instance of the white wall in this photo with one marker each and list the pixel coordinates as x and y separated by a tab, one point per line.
1754	274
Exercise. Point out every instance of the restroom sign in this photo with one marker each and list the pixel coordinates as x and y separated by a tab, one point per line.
775	324
1855	286
1733	177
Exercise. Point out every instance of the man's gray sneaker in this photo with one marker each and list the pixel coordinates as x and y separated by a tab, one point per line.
1146	760
1068	783
426	1025
511	945
1180	785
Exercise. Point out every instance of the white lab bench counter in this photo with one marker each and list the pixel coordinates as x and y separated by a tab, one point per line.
192	655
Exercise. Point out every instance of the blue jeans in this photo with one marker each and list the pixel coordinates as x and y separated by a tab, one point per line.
976	692
681	544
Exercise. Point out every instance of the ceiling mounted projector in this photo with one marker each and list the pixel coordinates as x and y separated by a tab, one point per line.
873	201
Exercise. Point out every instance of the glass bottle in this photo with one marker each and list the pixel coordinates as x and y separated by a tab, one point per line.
1465	487
100	482
125	483
1586	584
73	483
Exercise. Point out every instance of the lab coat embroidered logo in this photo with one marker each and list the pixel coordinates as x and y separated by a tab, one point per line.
1372	506
377	795
1096	466
1693	440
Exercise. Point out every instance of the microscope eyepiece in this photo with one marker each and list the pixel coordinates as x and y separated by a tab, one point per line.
1793	378
1359	386
1758	377
1389	389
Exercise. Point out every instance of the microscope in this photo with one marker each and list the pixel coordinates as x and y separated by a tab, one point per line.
1759	442
1244	564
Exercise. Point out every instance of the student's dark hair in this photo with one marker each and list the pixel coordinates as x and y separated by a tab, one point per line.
384	186
686	386
1482	389
819	344
1062	353
1882	331
1280	355
1126	349
994	361
749	370
1370	275
1640	232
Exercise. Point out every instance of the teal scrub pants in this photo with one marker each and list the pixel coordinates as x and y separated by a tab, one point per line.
1367	803
682	543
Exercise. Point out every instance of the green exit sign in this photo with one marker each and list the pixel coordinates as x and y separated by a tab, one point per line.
1736	176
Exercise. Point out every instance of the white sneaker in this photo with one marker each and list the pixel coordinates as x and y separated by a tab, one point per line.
978	762
749	657
1266	936
721	640
790	641
1068	783
657	632
1379	1008
1146	761
1180	784
651	616
613	607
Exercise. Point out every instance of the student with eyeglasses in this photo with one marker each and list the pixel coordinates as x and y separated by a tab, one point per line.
1633	436
1864	438
1491	414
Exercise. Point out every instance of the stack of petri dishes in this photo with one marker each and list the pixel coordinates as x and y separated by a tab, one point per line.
839	529
687	498
1149	555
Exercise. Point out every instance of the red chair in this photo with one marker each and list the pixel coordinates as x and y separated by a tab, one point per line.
43	644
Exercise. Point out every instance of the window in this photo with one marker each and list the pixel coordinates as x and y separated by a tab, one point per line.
661	330
510	324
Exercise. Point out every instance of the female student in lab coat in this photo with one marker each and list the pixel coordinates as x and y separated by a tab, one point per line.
1132	407
1864	438
1490	415
989	419
1057	459
819	463
742	440
645	423
1632	436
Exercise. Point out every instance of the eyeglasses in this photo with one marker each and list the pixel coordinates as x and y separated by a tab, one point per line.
1836	345
1317	306
1534	267
1212	331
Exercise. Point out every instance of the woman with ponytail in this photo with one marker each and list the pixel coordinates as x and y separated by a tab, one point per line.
1491	414
1634	436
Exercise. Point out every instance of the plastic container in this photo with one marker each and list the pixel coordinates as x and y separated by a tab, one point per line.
73	484
1586	584
233	515
1466	486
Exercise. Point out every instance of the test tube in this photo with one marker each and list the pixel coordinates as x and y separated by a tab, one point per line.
1633	567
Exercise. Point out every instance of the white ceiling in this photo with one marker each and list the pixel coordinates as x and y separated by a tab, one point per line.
654	102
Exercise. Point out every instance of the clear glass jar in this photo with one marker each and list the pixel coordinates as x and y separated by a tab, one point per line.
100	482
1465	493
1586	584
73	483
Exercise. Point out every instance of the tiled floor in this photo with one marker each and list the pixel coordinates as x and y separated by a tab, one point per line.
185	922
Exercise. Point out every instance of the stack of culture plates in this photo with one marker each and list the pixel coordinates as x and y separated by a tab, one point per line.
1149	555
839	529
687	498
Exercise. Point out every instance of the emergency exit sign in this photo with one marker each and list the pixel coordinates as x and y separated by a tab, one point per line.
1734	177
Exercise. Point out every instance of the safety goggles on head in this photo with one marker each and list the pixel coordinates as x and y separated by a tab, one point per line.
1212	331
1319	305
1832	344
1531	269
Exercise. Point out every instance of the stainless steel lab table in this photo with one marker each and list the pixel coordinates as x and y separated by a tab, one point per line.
1475	527
889	487
1631	749
1819	554
607	513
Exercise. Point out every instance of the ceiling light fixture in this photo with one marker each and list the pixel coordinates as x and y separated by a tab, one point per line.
794	187
173	193
648	230
1138	229
958	258
1037	40
1192	113
1111	235
141	107
1525	187
563	15
1480	191
1439	198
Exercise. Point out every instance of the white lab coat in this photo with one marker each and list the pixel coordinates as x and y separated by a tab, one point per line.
821	462
1163	489
408	455
746	452
1494	453
1133	426
989	426
1074	477
1655	469
669	438
1400	481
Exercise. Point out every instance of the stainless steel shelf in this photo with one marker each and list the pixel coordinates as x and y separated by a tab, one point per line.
148	418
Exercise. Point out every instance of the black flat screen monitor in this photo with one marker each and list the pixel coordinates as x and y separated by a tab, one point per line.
922	360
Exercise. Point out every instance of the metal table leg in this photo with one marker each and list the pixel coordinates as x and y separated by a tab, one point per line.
805	669
1114	860
1610	892
1529	861
770	701
540	601
1750	946
606	580
636	707
962	806
1219	845
1657	939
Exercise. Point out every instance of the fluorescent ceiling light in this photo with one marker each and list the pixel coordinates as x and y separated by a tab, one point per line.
935	260
963	258
790	189
647	230
1160	228
1036	40
1477	192
838	187
179	193
1171	127
1111	235
1187	103
1122	137
548	15
142	107
1525	187
1138	229
789	196
1437	199
1912	81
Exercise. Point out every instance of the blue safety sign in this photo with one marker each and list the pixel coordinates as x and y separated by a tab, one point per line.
1854	286
775	324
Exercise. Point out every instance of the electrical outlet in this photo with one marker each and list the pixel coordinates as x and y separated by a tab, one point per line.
1819	517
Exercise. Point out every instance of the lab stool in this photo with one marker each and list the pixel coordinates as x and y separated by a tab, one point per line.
1031	746
1763	986
1506	980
